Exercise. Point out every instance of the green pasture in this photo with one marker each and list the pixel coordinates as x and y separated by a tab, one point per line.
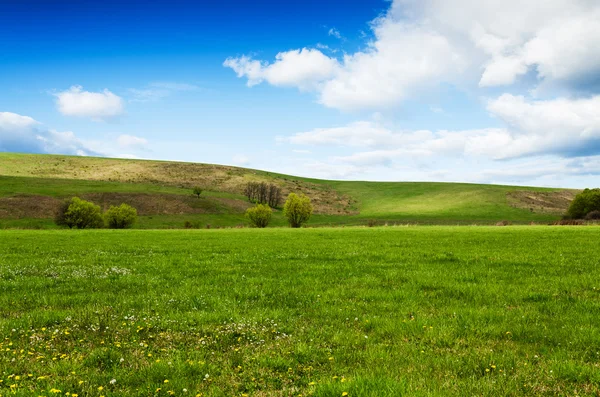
386	311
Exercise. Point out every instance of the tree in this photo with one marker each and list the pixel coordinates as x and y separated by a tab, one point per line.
197	191
584	203
121	217
297	209
259	216
80	214
263	193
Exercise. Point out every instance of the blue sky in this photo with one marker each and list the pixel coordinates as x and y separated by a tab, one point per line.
498	92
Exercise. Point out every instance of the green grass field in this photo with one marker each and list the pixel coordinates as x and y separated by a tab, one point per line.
394	311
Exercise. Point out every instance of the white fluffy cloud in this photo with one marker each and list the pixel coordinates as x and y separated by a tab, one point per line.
422	43
563	127
95	105
24	134
305	69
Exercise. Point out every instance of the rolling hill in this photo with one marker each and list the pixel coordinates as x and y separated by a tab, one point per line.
32	186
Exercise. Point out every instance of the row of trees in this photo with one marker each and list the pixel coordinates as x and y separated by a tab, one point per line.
297	210
81	214
263	193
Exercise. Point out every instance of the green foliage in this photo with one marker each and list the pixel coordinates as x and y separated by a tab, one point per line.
584	203
80	214
121	217
297	209
259	216
197	191
60	218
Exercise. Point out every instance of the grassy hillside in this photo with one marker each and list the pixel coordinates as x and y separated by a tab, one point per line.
397	311
31	186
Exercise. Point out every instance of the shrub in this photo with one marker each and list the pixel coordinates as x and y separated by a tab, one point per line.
297	209
259	216
80	214
121	217
593	215
197	191
584	203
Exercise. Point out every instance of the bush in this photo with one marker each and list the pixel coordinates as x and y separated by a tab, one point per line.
197	191
593	216
297	209
584	203
121	217
80	214
259	216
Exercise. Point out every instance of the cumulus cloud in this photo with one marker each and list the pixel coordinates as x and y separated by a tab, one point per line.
560	127
95	105
24	134
305	69
423	43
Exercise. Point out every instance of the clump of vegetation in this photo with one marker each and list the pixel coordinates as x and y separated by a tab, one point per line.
297	209
197	191
263	193
80	214
259	216
121	217
584	203
191	225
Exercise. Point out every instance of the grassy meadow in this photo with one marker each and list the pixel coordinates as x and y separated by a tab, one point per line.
415	311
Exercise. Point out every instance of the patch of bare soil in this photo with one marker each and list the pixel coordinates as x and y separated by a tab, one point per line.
24	206
556	202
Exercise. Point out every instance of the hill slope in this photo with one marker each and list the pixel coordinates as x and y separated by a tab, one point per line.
31	186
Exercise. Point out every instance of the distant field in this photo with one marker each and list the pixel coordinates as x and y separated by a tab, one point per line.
391	311
32	186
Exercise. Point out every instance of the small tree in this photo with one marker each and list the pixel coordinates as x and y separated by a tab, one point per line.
121	217
297	209
584	203
197	191
259	216
80	214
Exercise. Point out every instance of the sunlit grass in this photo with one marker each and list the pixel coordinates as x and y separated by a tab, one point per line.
321	312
